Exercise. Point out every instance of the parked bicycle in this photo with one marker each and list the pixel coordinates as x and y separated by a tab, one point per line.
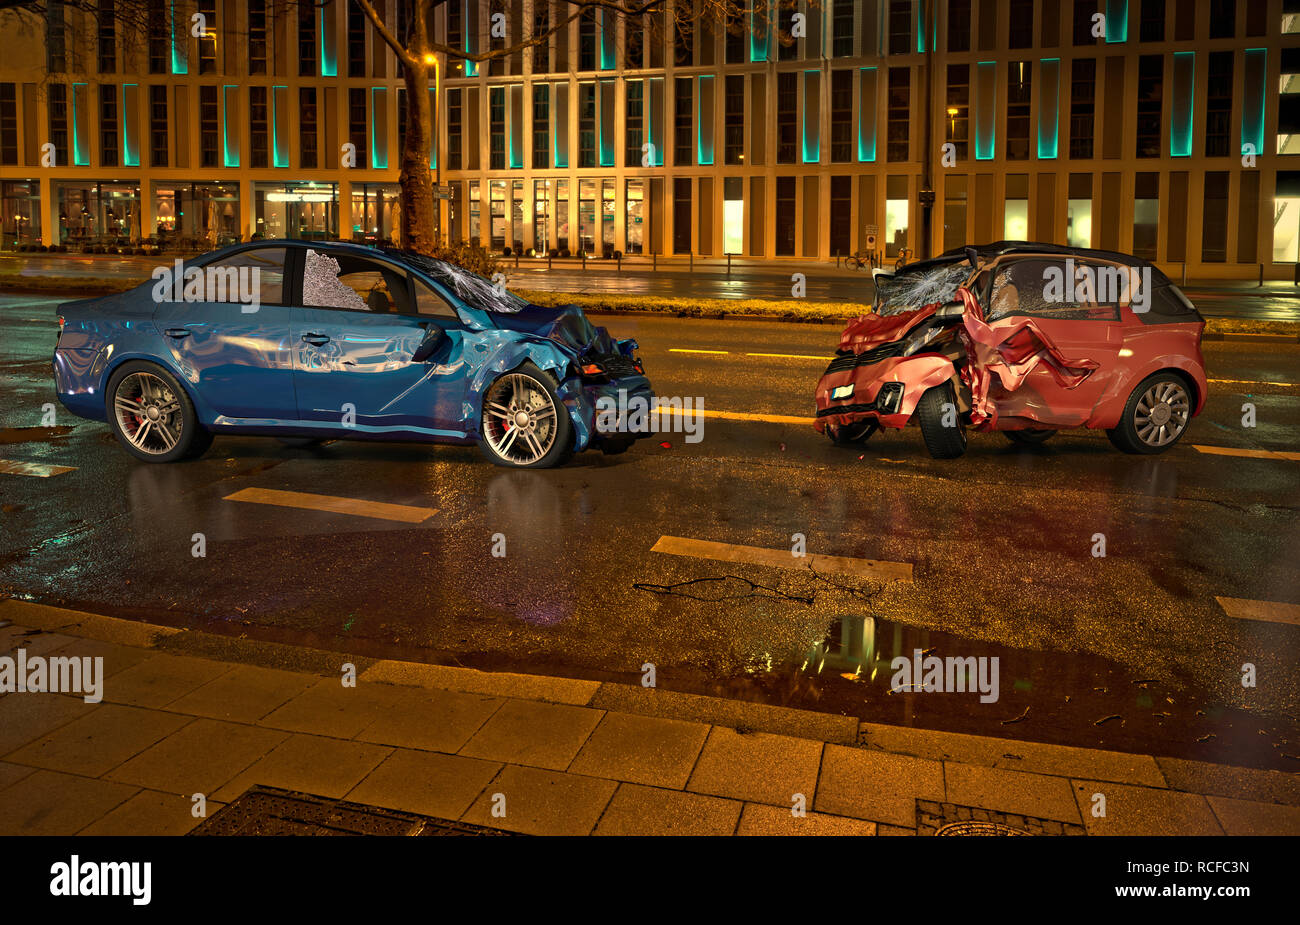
863	260
904	254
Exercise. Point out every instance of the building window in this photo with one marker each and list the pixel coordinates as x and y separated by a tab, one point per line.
787	116
8	124
786	219
209	127
306	40
541	126
1019	96
633	46
587	40
1146	215
681	215
635	123
1083	105
542	23
497	128
900	27
842	29
357	124
1015	214
257	133
107	125
841	216
56	51
635	217
959	25
899	114
1083	13
1286	221
841	116
957	111
733	151
158	124
1223	19
736	38
58	113
1151	69
454	129
587	125
356	42
1153	21
1214	223
107	17
785	26
1218	105
683	140
257	37
1078	221
306	126
158	43
1021	26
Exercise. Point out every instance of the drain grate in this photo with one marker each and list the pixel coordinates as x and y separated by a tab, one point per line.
272	811
950	819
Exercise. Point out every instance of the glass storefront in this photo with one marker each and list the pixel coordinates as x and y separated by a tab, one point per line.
497	190
607	218
196	215
20	214
635	216
562	217
296	210
475	213
542	216
102	213
586	216
376	212
517	215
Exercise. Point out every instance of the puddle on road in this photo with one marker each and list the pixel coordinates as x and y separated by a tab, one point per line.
1054	697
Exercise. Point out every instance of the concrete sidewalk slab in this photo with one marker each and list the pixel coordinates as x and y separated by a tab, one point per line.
759	819
1225	781
53	803
640	810
756	767
541	802
24	717
1251	817
243	695
642	750
311	764
99	741
150	811
424	782
500	684
1010	791
161	679
878	786
440	721
543	735
328	708
1143	810
198	758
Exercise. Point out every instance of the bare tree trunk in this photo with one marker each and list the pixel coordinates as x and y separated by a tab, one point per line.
418	204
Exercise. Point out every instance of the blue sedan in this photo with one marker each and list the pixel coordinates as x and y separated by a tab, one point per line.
315	341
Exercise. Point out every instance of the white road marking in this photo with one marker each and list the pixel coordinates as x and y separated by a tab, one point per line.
1267	611
781	558
39	470
334	505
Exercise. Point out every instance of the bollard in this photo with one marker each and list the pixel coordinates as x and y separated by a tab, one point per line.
655	261
692	261
1261	274
728	264
548	260
584	259
1184	273
620	261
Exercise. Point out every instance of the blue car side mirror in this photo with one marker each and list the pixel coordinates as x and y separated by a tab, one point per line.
433	338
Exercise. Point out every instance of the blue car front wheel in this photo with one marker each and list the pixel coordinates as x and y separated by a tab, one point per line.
525	425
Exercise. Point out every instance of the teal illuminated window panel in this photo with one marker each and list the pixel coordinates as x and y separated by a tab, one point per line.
867	115
1182	117
1254	95
1049	108
986	98
812	117
1116	21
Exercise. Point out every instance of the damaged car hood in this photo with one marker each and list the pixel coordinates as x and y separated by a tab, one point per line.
873	330
564	324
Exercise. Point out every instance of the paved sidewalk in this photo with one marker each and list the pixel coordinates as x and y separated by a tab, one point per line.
186	713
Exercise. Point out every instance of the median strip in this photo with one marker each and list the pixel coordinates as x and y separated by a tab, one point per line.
1266	611
1246	453
334	505
782	558
39	470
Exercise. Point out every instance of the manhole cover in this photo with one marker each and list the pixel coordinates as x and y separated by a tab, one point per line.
271	811
979	828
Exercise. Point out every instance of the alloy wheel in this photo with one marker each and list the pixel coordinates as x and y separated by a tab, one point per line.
1161	413
519	420
148	413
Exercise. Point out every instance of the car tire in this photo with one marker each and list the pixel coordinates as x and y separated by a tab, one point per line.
1029	437
1155	416
529	390
175	432
943	441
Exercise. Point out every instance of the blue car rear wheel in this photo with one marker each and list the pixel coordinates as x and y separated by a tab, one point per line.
152	416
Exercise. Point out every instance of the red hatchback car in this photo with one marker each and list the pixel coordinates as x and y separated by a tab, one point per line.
1023	338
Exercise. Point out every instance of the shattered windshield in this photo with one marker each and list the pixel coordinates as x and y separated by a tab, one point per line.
907	292
472	288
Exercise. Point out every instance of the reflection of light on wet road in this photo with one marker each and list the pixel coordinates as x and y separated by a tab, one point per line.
402	512
783	558
39	470
1267	611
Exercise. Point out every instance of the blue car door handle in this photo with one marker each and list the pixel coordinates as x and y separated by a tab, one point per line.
316	339
178	332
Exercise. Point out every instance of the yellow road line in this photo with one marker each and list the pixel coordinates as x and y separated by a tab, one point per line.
791	356
1268	611
1283	385
1246	453
740	416
684	350
39	470
334	505
781	558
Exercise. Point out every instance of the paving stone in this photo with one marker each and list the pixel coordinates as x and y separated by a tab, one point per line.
312	764
198	758
12	773
116	658
544	735
1227	781
876	785
25	717
756	766
150	813
99	741
540	802
1144	811
51	803
1010	792
759	819
436	720
642	750
426	783
328	708
244	694
1251	817
572	691
638	810
161	679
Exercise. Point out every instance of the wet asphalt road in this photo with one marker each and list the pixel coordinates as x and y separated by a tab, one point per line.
1130	651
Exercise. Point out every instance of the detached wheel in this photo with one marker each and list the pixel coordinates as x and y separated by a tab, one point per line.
152	416
1028	437
525	425
1155	415
941	425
